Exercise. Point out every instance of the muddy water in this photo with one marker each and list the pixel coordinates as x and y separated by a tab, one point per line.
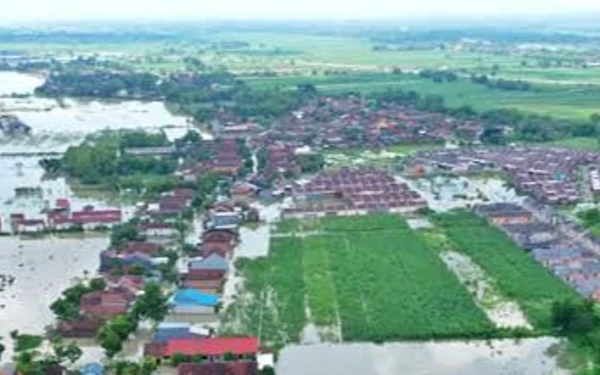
56	125
26	172
502	357
42	269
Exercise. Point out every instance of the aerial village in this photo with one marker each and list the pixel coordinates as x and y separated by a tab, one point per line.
263	168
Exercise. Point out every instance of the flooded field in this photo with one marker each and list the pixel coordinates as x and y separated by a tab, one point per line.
56	125
499	357
41	269
445	193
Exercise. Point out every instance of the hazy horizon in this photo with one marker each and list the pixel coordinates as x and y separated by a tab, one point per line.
157	10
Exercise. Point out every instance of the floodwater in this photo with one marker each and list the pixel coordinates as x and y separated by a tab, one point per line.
502	312
446	193
57	125
502	357
26	172
42	269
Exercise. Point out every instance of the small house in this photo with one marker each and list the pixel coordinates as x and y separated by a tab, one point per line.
105	305
30	226
224	220
214	348
242	367
158	230
211	268
194	302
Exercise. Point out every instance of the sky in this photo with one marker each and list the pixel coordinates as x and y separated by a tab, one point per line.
73	10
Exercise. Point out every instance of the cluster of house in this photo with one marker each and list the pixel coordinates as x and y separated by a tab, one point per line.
576	266
352	191
167	209
203	276
61	218
548	174
226	125
126	269
224	159
352	121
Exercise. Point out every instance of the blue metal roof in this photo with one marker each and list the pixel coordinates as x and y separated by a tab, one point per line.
92	369
193	297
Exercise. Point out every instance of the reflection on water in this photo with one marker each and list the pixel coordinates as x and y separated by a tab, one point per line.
52	122
26	172
500	357
42	270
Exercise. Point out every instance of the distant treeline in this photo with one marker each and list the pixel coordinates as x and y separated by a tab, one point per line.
85	37
198	95
488	34
502	84
528	127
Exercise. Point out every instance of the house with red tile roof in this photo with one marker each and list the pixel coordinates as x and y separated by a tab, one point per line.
219	368
212	348
91	218
106	304
141	247
83	327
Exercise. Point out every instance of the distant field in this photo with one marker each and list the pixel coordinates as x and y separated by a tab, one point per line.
561	101
569	93
517	274
370	278
578	143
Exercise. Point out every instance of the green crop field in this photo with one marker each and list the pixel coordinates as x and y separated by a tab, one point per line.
517	275
370	278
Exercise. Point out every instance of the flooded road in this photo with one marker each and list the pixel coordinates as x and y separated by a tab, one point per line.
42	269
502	357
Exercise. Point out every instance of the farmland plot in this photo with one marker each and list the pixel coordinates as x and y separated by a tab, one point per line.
372	276
517	275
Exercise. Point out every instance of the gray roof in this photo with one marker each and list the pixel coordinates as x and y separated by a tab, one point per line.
213	262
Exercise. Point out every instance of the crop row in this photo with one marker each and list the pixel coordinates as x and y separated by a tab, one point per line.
518	275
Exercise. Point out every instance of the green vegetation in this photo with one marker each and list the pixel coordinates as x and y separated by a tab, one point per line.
369	276
66	307
27	342
580	322
517	275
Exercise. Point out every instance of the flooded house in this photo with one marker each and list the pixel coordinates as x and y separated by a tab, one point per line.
532	235
176	330
504	213
80	328
242	367
352	191
90	218
158	230
106	304
194	302
214	349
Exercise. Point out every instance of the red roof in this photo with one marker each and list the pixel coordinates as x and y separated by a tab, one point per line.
213	346
99	216
147	248
219	368
63	203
